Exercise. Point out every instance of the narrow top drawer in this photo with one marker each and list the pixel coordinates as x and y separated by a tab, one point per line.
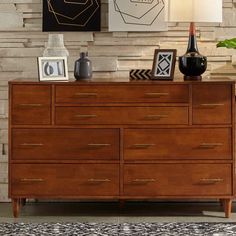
31	94
176	93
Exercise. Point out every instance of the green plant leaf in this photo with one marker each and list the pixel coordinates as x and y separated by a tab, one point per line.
228	43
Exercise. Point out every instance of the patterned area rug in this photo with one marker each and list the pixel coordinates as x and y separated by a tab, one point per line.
126	229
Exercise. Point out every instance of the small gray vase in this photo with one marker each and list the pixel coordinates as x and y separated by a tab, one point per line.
83	67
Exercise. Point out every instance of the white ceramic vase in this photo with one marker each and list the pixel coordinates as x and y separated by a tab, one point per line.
55	46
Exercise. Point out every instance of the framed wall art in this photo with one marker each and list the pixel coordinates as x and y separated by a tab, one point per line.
164	64
137	15
71	15
52	68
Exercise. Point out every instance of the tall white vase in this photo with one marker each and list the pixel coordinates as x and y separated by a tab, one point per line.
55	46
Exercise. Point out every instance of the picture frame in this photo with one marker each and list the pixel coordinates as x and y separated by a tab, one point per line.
53	69
164	64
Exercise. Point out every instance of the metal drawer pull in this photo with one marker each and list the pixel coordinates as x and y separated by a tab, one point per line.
30	105
212	181
86	94
156	116
99	180
212	104
32	180
143	180
99	144
32	144
156	94
144	145
85	116
210	145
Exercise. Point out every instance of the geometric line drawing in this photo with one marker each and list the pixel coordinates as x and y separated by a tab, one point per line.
157	3
50	7
124	13
76	1
143	1
137	15
63	23
71	13
121	8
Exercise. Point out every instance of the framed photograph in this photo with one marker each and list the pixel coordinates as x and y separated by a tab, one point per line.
52	68
164	64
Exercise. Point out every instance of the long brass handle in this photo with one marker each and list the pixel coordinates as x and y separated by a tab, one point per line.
144	145
156	94
210	145
32	180
212	104
143	180
85	116
32	144
211	181
158	117
99	144
31	105
99	180
86	94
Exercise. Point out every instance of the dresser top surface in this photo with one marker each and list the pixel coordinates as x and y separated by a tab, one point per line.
121	81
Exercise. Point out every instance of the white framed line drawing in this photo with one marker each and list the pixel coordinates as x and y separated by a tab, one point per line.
137	15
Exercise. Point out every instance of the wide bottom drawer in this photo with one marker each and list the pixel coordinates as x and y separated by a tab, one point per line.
177	180
64	180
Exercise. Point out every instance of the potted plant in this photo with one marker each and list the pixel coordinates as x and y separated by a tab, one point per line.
229	43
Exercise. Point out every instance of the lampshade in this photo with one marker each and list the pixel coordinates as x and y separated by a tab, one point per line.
194	11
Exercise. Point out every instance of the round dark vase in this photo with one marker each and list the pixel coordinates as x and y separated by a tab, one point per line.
83	67
192	65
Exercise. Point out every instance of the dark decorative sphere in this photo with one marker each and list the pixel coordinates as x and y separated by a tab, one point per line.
192	64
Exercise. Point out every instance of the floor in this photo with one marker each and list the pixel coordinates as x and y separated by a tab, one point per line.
109	212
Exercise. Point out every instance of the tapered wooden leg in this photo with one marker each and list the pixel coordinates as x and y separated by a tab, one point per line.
121	203
16	207
227	207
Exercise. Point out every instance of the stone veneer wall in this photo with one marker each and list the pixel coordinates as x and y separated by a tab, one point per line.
113	54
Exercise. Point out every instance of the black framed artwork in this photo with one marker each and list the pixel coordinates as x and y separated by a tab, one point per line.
164	64
71	15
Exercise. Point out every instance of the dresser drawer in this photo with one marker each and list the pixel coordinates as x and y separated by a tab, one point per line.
31	104
177	180
212	104
66	144
182	144
122	93
64	180
121	115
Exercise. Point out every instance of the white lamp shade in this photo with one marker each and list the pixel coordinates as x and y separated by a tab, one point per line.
194	10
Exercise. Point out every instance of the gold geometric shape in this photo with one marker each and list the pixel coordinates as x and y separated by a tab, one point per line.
51	9
72	2
56	14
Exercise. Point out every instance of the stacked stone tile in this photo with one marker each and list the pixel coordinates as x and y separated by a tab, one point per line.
112	54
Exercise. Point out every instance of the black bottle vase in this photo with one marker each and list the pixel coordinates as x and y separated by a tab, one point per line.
192	64
83	67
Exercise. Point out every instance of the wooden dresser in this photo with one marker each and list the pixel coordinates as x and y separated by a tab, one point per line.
121	141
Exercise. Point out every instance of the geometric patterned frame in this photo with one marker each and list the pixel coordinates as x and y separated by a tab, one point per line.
164	64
